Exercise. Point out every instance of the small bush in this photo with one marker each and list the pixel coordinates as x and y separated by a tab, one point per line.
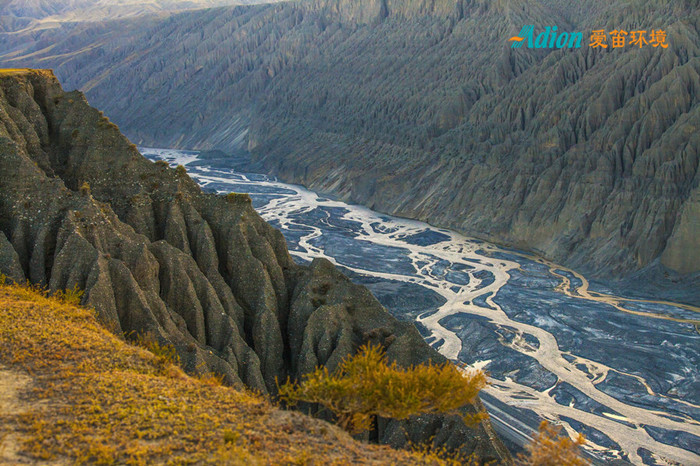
441	455
181	171
234	198
71	296
162	164
3	279
165	353
366	385
231	436
551	448
212	380
85	188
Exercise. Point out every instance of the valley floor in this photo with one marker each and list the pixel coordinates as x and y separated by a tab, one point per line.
556	346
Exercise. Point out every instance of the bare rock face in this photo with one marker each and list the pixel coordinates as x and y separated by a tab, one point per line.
682	252
79	206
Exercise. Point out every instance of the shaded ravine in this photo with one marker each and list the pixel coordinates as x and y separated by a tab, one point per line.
386	248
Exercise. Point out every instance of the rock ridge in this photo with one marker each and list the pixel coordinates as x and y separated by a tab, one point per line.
79	206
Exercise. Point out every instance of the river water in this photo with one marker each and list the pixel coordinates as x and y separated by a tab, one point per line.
625	372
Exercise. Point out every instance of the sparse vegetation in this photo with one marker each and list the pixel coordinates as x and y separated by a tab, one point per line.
366	385
85	188
181	171
98	400
429	452
71	296
165	353
551	448
14	71
237	197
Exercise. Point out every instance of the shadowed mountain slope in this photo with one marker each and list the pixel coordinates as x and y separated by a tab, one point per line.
422	109
79	206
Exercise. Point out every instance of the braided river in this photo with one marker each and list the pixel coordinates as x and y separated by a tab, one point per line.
625	372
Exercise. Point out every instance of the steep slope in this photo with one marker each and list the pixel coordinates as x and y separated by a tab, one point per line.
70	392
422	109
79	206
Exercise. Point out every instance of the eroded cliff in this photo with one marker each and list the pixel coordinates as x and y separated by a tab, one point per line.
422	109
79	206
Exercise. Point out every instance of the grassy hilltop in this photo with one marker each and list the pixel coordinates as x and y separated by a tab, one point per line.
72	392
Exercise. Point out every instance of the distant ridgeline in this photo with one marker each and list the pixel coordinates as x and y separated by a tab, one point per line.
425	109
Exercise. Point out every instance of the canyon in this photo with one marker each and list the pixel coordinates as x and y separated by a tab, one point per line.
587	156
157	258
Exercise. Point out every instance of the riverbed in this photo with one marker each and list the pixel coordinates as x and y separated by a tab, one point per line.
623	371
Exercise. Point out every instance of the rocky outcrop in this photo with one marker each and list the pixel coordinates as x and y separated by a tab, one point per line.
157	257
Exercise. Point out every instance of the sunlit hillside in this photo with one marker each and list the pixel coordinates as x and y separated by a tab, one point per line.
71	391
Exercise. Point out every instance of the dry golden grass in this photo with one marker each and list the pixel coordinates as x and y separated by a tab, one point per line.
96	399
552	448
9	71
20	71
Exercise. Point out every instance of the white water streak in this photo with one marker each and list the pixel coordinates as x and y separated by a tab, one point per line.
461	299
